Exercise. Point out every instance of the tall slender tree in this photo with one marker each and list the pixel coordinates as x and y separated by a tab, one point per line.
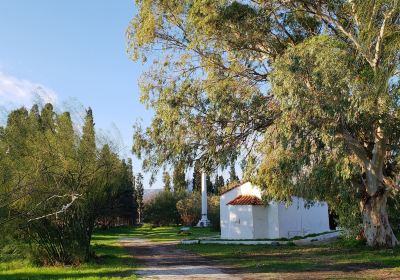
87	145
232	172
167	181
179	177
139	191
219	184
209	185
196	180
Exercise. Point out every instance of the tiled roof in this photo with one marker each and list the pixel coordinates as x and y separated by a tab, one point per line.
246	200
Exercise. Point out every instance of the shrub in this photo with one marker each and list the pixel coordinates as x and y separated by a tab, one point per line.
55	183
189	209
349	219
213	212
394	212
162	211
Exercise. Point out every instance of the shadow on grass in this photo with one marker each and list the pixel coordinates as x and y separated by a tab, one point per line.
168	233
57	275
112	261
326	258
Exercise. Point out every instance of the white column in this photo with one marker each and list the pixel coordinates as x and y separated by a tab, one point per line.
204	222
203	195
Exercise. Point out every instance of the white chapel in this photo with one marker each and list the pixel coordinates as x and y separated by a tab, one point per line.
244	216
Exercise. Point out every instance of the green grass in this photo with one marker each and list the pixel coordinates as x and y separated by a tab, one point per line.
169	233
112	262
339	256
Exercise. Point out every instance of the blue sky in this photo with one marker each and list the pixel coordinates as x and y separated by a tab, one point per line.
75	51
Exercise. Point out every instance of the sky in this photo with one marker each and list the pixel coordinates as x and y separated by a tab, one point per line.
72	52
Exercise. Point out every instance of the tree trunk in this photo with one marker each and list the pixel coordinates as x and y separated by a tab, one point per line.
377	229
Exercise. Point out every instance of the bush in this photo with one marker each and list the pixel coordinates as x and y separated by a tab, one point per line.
55	183
213	212
394	212
162	211
189	209
349	219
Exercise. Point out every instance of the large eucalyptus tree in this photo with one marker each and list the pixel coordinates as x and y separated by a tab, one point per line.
307	91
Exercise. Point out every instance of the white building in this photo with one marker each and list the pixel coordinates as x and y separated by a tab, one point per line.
244	216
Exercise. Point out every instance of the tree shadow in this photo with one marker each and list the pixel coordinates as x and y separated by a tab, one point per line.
56	275
110	263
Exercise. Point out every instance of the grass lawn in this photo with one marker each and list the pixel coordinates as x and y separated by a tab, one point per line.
169	233
340	256
112	262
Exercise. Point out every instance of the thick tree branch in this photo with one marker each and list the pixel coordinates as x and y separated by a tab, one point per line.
379	41
356	148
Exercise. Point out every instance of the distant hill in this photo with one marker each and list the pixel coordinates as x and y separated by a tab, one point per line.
150	193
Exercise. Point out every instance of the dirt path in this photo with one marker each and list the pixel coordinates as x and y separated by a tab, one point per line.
162	260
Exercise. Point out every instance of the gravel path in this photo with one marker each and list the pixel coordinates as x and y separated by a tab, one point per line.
162	260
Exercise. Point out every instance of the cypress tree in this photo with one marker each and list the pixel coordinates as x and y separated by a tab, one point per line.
87	147
178	177
167	181
196	181
139	190
210	185
232	172
218	184
48	117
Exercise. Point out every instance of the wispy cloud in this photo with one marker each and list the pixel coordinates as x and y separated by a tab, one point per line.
20	92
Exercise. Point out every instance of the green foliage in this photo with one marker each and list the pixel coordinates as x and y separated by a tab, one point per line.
394	210
196	178
219	183
55	184
162	210
307	92
214	212
122	211
232	172
178	177
139	191
189	209
167	181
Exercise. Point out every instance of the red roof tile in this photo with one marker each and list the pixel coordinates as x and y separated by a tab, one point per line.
246	200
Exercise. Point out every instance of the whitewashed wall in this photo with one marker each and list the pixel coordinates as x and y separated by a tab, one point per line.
224	210
240	224
296	220
260	221
272	220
